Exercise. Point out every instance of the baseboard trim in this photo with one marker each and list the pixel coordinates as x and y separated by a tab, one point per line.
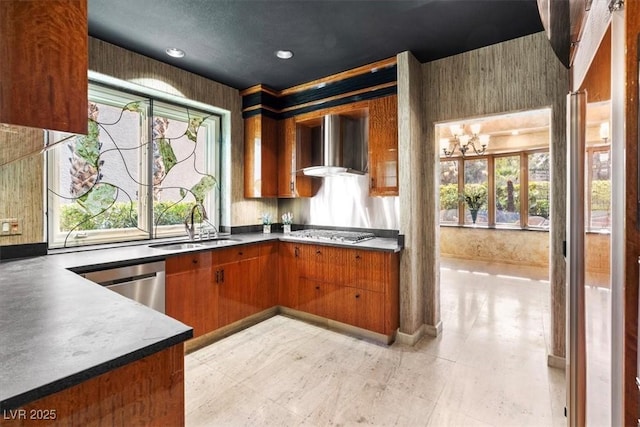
411	339
558	362
433	330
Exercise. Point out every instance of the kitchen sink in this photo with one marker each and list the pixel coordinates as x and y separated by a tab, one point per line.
177	246
219	241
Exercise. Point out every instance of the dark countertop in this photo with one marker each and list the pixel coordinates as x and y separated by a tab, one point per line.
58	329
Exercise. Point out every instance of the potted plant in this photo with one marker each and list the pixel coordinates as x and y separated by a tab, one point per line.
266	222
287	219
475	196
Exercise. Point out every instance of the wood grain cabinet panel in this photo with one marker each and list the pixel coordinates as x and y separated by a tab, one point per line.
260	157
43	71
288	273
149	392
268	270
292	157
361	308
383	146
236	273
191	294
352	286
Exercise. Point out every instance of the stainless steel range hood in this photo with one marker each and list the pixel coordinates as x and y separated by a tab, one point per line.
341	147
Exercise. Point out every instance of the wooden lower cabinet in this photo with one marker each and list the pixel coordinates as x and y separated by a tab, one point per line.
356	287
191	294
147	392
210	290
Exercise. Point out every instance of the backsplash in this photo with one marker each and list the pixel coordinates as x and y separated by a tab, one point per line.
21	182
343	201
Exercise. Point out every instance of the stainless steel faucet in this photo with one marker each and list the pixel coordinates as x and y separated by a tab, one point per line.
189	225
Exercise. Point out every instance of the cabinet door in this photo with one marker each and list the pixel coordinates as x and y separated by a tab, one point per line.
291	159
260	157
190	294
267	281
383	146
361	308
237	292
317	297
366	269
288	273
43	70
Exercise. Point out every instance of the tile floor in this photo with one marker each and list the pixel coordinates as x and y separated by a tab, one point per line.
488	367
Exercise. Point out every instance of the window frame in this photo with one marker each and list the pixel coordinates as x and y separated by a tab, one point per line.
491	190
105	88
590	151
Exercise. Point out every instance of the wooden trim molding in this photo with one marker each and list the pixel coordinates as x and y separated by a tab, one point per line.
367	82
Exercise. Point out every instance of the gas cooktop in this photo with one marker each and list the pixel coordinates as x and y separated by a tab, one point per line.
333	235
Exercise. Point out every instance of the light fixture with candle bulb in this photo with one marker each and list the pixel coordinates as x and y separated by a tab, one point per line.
604	131
464	141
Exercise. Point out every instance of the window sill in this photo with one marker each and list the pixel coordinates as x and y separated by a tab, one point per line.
486	227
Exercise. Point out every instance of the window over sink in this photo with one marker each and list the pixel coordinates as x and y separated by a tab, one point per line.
138	173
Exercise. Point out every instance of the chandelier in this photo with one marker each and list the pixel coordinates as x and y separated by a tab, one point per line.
463	141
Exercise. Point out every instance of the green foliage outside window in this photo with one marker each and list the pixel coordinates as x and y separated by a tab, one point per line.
449	196
538	196
122	215
601	195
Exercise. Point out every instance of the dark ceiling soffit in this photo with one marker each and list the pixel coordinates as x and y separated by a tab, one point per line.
350	84
373	94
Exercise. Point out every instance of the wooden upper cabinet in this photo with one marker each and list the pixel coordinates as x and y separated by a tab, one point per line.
44	63
292	157
260	157
383	146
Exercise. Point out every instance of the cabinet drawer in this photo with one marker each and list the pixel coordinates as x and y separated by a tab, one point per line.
324	263
361	308
366	269
187	262
237	253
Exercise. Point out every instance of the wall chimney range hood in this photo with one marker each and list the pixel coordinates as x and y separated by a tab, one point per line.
339	147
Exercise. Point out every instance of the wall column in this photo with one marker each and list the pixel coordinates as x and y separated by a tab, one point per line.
416	221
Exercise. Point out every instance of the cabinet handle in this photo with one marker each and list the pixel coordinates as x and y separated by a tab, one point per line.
291	186
318	252
222	276
357	256
240	253
193	260
217	276
296	251
373	182
318	288
357	295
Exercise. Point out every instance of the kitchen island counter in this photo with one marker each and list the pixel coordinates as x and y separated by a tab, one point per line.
58	330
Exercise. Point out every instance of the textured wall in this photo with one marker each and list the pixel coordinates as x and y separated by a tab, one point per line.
21	182
516	75
419	268
508	246
114	61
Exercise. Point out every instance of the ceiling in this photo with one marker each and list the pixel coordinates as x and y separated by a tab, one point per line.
234	41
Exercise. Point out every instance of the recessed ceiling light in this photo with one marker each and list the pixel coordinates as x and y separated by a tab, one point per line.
284	54
515	132
175	52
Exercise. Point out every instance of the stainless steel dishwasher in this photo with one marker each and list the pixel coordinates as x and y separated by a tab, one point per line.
143	283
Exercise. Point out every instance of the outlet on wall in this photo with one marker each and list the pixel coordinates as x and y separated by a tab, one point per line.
10	227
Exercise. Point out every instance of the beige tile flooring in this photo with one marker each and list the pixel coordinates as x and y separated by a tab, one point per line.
487	368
